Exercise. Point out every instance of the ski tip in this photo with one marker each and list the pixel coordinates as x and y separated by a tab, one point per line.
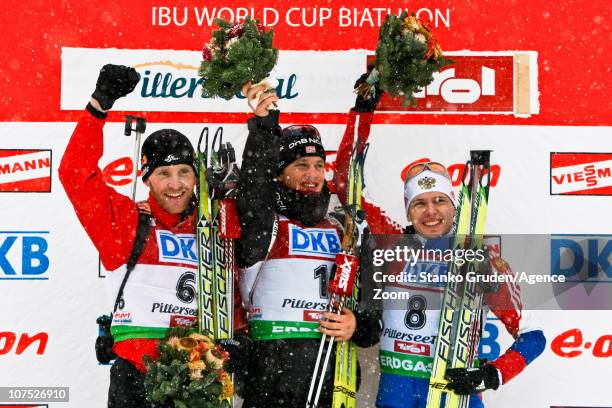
203	135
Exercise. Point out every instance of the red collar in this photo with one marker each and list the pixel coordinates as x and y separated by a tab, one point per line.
162	216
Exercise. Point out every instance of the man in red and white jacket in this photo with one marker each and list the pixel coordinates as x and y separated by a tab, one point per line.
152	300
406	366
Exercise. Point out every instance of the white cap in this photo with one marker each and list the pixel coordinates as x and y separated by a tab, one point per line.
427	182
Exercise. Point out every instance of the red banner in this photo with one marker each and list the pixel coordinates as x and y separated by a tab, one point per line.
571	43
581	173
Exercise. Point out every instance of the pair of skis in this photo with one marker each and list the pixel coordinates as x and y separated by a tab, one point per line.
344	290
461	309
216	230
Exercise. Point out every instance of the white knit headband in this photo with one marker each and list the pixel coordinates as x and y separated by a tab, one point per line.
427	182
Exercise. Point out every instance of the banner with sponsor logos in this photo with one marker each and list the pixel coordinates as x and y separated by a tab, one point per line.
529	82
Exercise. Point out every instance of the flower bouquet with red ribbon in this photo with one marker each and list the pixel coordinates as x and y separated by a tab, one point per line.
236	54
189	372
407	55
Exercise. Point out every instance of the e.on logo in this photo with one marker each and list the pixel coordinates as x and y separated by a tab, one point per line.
570	344
10	342
119	172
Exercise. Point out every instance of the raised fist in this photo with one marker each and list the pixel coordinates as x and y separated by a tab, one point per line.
114	82
368	92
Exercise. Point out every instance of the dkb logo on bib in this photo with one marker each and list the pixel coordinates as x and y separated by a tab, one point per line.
177	248
315	242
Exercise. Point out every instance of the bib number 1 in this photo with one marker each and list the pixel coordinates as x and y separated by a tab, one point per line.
320	273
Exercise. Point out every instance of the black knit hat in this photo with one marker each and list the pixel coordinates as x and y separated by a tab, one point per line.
298	141
164	148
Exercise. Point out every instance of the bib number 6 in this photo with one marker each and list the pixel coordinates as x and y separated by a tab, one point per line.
185	287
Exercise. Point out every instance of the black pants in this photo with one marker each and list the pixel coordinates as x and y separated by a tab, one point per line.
280	372
126	386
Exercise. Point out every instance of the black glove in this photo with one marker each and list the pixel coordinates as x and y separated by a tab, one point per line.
224	178
367	104
114	82
369	327
466	381
240	348
104	342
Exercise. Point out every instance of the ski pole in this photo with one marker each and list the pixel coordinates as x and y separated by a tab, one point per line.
315	376
340	285
141	125
319	377
328	354
138	125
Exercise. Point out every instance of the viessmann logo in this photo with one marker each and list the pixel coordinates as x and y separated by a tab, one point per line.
25	170
580	173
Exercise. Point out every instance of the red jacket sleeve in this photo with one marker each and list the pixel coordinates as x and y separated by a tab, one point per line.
529	341
109	218
378	221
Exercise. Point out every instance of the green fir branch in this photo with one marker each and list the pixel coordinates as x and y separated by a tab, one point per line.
251	58
400	63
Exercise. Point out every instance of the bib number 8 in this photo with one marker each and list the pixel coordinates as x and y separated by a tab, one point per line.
415	316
